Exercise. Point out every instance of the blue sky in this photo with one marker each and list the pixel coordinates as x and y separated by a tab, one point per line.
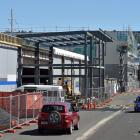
105	14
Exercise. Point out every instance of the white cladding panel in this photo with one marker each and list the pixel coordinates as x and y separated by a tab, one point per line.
8	62
8	68
57	60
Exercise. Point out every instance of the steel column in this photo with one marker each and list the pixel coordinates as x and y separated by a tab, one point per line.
91	62
19	69
72	62
62	69
103	63
99	58
86	70
79	75
37	79
51	54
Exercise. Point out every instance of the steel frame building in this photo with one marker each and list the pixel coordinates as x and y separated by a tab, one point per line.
93	66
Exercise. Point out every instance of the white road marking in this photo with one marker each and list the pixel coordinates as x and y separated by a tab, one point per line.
93	129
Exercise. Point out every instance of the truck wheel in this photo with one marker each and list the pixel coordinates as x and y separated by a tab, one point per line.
76	127
70	129
40	131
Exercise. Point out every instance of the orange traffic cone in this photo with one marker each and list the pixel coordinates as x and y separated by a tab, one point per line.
94	105
89	105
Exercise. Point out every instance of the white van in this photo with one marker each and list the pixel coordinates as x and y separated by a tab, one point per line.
51	93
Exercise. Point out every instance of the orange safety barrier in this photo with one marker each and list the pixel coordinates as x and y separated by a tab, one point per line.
18	127
94	105
13	122
89	105
11	131
33	121
83	105
26	124
1	135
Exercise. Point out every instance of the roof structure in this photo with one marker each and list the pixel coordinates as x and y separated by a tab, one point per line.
70	38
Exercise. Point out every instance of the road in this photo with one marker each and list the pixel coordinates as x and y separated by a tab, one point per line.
125	126
89	119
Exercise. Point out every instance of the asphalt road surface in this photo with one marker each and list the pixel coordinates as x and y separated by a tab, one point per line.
125	126
119	126
88	119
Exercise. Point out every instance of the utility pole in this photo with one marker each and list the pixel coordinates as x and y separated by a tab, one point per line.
11	21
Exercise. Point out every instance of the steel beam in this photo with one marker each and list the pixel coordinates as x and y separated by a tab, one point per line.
51	34
47	76
65	67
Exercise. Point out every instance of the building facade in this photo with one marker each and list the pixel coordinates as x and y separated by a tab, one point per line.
120	59
8	61
46	58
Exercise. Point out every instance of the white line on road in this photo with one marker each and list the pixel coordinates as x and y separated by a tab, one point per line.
93	129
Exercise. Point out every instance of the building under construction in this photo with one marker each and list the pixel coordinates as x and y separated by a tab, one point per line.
75	57
120	59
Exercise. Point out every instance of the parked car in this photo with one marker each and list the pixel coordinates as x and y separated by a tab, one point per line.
60	115
137	104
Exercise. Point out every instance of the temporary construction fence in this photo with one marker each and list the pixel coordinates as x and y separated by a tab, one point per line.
18	109
97	96
132	86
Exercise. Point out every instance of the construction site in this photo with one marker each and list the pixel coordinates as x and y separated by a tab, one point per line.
84	67
74	60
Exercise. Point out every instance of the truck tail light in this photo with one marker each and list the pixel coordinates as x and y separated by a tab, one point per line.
66	118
